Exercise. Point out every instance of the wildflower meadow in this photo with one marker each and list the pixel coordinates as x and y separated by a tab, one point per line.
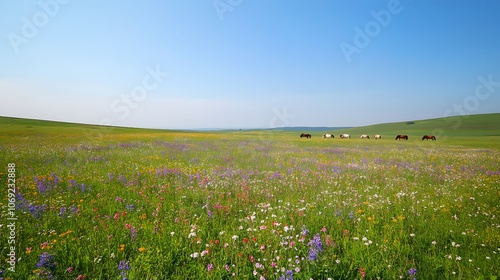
249	205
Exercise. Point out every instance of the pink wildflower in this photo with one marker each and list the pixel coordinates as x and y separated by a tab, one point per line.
362	272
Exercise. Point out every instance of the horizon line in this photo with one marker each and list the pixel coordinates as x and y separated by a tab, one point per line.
240	128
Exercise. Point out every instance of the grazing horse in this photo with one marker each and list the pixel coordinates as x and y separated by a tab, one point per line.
364	136
378	136
328	136
345	136
306	135
427	137
402	136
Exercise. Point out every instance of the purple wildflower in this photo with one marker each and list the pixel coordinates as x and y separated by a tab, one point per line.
304	230
130	207
25	205
123	267
55	178
313	255
43	186
412	271
62	211
46	261
288	275
316	243
36	211
133	233
20	201
46	265
316	246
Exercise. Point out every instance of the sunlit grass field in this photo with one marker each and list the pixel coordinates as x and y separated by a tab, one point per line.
115	203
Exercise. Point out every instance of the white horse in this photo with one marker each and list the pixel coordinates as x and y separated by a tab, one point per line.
364	136
345	136
378	136
328	136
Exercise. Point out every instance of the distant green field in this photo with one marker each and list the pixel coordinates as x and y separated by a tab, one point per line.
457	126
469	130
91	202
472	130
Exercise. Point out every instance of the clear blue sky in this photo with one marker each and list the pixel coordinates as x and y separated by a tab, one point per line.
248	64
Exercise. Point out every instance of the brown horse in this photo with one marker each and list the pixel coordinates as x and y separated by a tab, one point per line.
402	136
306	135
427	137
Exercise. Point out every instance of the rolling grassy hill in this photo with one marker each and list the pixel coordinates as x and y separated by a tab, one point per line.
471	125
17	130
481	130
476	130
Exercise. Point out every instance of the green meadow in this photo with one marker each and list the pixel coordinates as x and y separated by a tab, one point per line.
92	202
